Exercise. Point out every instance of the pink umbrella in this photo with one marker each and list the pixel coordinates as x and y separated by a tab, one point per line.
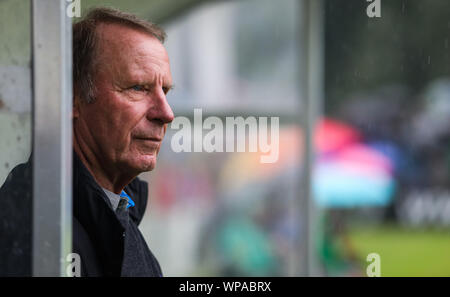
332	135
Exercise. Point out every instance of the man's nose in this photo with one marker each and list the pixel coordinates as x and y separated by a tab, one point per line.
161	110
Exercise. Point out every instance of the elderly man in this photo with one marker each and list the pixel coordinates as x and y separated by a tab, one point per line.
120	115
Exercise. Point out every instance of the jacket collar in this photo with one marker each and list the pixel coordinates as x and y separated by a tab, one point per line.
91	209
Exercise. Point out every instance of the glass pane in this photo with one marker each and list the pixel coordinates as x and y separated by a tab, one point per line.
15	143
229	59
227	213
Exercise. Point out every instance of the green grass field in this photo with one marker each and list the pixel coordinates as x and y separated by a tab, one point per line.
403	251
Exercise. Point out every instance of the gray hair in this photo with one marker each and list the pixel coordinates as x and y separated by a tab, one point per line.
85	43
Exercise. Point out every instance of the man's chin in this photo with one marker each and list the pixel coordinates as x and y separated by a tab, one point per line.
138	164
145	164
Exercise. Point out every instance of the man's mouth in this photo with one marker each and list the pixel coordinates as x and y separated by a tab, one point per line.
154	139
150	139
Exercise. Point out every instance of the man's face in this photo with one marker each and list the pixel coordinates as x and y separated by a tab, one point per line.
126	123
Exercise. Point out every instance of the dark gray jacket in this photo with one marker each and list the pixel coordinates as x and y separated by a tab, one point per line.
108	245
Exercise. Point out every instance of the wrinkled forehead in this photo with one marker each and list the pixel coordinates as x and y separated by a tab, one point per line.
125	50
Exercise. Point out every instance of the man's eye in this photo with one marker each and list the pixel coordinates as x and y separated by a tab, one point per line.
167	89
138	88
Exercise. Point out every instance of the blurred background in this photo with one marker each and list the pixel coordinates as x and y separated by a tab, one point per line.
364	159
